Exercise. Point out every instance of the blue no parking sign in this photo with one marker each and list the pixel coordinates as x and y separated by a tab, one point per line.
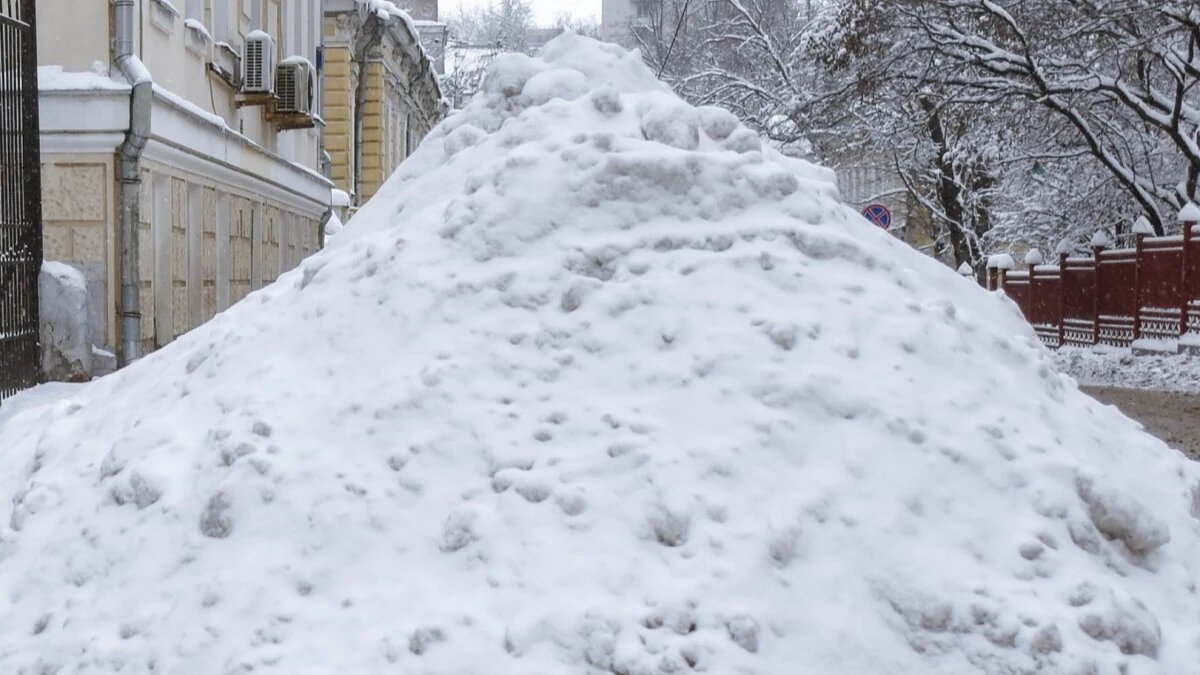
878	214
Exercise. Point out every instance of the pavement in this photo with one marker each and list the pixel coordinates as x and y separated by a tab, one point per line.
1172	416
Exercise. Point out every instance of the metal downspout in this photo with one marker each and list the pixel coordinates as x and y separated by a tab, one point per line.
129	156
360	95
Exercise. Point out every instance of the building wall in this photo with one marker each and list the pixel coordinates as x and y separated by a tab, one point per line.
228	202
422	10
178	58
338	112
78	207
73	34
435	35
401	102
217	243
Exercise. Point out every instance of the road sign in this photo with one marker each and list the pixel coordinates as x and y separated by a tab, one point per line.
878	214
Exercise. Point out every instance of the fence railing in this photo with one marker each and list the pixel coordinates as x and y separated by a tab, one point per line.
20	198
1146	297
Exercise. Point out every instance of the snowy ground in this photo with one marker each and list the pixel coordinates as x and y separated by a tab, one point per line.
1119	368
1172	416
597	385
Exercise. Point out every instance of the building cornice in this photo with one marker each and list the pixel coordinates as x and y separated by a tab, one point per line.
84	122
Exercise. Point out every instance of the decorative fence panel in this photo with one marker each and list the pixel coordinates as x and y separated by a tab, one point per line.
1045	303
1016	286
1079	301
1159	288
1116	297
1146	297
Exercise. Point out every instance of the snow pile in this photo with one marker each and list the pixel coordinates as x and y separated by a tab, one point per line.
63	318
597	384
1120	368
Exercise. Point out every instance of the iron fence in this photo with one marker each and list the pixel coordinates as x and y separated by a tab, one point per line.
20	198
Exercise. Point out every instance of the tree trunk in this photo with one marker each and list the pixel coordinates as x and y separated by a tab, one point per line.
949	193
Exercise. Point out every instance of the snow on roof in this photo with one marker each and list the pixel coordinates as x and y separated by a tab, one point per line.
339	198
1190	213
54	78
386	9
597	384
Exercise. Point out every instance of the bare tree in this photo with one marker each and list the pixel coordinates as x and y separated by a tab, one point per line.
476	36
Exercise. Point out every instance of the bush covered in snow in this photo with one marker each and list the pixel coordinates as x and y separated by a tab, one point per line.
598	384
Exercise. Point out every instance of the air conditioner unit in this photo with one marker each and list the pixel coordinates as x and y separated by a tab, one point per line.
258	64
294	82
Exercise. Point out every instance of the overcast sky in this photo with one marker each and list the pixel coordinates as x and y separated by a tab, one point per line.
544	10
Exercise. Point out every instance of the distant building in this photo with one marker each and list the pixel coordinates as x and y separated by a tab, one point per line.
381	91
434	35
863	184
207	176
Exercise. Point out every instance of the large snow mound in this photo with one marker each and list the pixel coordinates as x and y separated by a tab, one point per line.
598	384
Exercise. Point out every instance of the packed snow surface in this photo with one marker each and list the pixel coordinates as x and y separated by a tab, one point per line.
1120	368
54	78
598	384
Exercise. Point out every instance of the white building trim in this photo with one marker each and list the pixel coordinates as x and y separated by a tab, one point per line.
90	121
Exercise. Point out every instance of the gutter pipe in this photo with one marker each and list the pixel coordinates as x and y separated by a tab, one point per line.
129	175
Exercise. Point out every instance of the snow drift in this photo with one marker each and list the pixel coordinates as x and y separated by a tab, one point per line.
598	384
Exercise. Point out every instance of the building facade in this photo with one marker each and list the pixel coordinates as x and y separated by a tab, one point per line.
381	91
174	191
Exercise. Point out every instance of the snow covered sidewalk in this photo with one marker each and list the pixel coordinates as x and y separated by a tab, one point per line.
598	385
1120	368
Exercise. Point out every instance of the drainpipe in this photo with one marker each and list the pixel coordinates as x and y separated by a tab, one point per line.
375	36
325	218
129	175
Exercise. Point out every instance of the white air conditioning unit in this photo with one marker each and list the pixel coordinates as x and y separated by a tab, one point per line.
258	64
294	81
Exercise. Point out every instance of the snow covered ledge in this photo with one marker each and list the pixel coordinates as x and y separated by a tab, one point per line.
89	112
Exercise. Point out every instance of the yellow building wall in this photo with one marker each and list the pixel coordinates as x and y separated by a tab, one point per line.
339	115
373	131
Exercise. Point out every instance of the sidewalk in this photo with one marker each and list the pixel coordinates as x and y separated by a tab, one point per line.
1172	416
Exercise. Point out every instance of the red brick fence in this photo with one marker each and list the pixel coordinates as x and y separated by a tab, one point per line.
1147	297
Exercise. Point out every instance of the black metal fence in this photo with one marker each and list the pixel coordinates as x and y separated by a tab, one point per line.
20	198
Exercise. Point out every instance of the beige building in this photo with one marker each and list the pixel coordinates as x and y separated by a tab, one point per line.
381	90
180	155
